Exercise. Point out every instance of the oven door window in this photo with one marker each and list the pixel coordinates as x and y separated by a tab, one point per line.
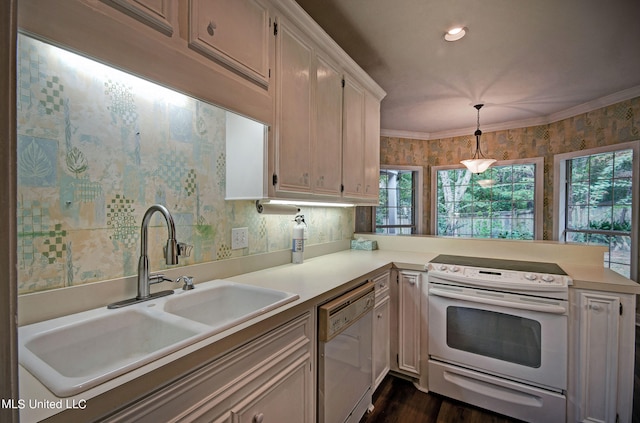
497	335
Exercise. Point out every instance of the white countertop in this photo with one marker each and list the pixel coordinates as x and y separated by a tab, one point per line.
315	281
319	275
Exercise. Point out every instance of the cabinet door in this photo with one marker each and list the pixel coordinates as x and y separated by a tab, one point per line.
597	355
371	148
327	156
353	140
294	66
234	32
283	399
409	301
381	334
154	13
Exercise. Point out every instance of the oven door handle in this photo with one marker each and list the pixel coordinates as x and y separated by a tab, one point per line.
550	308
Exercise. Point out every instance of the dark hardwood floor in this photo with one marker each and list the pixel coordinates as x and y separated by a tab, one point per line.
398	401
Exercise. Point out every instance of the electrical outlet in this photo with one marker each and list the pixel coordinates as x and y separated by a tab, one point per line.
239	238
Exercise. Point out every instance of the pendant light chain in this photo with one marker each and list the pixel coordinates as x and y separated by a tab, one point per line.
478	154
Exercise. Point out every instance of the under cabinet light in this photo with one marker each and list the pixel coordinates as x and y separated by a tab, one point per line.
310	203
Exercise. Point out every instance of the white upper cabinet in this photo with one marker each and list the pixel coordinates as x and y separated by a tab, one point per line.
371	156
233	32
353	140
294	107
361	144
327	145
324	143
155	13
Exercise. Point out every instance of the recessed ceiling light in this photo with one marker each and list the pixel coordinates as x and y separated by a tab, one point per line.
455	33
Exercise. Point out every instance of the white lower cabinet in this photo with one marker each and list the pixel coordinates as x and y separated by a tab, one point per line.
601	345
278	400
406	315
381	329
269	379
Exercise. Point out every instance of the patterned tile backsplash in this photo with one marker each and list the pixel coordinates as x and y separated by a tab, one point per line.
97	147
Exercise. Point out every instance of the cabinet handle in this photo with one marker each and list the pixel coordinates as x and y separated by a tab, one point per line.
380	316
211	28
258	418
412	281
595	307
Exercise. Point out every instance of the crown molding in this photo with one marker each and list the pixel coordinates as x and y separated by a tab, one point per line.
587	107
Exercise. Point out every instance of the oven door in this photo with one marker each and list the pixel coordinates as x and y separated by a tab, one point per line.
519	337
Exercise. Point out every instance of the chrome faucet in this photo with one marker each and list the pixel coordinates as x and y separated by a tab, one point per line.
172	251
171	255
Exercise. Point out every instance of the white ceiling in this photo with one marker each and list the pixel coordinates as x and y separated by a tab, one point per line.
529	61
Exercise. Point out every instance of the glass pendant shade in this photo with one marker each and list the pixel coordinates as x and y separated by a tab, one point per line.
478	163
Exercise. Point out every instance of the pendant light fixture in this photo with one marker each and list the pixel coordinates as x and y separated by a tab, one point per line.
478	163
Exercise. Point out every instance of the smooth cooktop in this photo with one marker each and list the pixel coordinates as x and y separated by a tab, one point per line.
491	263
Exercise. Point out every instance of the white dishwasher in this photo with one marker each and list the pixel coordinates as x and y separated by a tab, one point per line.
344	352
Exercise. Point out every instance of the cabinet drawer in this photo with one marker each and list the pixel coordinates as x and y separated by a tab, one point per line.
381	283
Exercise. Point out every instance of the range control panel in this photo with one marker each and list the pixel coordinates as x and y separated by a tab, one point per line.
498	277
337	315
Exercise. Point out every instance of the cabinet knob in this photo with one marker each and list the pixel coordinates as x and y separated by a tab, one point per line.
211	28
258	418
379	315
595	307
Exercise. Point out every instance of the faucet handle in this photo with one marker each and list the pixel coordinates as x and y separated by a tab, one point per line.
188	282
184	250
157	278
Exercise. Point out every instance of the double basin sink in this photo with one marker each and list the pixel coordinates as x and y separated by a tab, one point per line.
74	353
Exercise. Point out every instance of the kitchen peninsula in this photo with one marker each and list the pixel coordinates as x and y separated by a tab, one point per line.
318	280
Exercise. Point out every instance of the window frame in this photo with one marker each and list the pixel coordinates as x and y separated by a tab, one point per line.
560	194
418	200
538	196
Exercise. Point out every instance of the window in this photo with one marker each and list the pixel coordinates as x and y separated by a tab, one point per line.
399	206
597	199
503	202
